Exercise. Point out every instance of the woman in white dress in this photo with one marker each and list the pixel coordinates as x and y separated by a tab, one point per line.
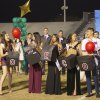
18	48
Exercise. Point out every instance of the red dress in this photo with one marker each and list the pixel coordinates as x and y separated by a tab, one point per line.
35	76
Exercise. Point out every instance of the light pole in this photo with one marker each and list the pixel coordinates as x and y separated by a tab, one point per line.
64	8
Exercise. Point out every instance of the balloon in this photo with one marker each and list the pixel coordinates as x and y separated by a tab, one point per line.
25	8
24	24
15	24
18	19
14	20
16	33
23	34
24	20
21	25
24	29
23	37
90	47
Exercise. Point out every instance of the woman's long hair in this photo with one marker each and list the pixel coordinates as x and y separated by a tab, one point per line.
1	38
57	39
7	43
37	38
69	38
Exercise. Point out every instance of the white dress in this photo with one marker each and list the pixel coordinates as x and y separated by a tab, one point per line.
18	48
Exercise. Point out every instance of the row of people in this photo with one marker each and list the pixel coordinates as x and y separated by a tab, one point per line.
53	82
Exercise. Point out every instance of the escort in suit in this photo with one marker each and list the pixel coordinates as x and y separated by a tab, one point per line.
45	39
62	40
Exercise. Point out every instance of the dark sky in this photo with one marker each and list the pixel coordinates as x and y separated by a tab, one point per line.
44	10
84	5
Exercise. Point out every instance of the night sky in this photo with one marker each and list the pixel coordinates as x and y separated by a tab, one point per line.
45	10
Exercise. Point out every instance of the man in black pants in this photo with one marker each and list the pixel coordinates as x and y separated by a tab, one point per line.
96	35
98	67
90	32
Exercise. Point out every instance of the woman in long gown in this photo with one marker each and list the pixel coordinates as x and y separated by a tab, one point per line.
53	85
73	75
35	73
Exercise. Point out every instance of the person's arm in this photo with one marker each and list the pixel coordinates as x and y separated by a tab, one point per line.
22	42
13	46
82	48
0	59
33	44
41	46
1	52
60	46
79	49
67	47
64	42
98	44
25	43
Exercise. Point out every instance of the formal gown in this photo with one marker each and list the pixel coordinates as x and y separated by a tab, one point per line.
53	85
35	76
73	76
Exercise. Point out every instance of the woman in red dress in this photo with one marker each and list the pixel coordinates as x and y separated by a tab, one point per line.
35	73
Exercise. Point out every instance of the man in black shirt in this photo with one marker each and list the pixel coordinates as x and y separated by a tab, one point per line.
62	39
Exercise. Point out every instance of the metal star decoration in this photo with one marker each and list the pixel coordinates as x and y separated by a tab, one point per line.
25	8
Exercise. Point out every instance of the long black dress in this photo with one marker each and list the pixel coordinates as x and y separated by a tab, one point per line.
73	75
53	85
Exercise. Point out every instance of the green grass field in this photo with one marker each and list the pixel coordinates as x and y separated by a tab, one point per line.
20	90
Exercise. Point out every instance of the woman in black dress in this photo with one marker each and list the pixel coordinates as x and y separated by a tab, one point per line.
73	75
53	85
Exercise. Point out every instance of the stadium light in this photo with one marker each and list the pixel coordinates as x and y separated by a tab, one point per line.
64	8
